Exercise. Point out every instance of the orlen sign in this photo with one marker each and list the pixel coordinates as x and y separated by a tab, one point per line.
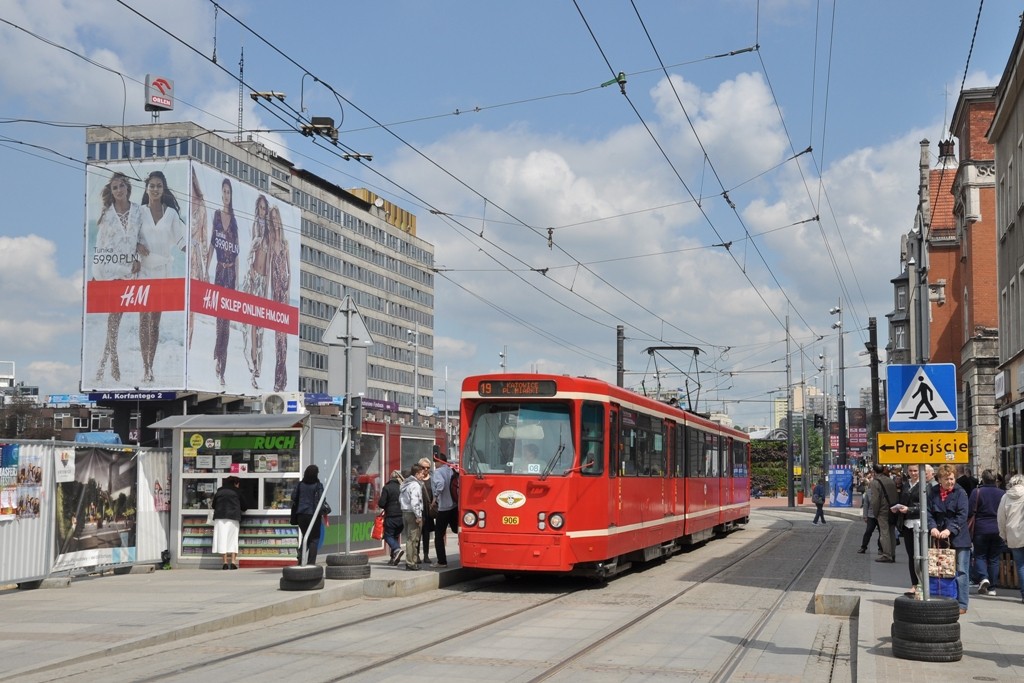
159	93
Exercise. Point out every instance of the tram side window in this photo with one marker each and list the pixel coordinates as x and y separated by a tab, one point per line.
627	454
724	456
592	440
679	452
694	453
710	455
655	456
739	459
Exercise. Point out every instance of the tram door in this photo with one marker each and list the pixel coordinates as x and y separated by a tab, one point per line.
725	488
672	494
614	460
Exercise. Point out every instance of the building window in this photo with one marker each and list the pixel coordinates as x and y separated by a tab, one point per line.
901	298
900	337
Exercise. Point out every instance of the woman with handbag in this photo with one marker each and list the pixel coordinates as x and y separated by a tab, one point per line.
305	498
947	521
910	518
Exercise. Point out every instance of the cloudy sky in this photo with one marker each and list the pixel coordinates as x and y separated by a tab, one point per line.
684	209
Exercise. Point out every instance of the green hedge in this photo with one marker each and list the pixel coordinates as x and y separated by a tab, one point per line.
768	466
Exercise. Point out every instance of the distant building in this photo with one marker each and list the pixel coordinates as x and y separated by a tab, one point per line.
946	295
1004	135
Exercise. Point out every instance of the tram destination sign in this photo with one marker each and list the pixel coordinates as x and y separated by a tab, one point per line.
516	387
922	448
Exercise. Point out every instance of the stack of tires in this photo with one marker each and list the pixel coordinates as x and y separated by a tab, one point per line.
346	566
926	631
306	577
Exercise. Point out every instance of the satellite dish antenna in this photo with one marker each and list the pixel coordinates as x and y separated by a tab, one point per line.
378	202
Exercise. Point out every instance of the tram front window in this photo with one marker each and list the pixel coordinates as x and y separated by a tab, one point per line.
520	438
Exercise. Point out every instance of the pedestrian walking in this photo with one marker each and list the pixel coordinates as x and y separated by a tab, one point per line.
429	509
1010	519
883	498
390	503
868	515
818	495
947	521
305	498
982	518
411	497
447	506
909	519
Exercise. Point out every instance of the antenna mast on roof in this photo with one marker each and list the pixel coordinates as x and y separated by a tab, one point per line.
241	82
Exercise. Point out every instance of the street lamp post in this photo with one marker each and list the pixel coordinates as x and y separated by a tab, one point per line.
414	341
841	399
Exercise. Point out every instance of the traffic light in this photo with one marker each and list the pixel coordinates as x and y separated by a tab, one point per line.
357	414
819	421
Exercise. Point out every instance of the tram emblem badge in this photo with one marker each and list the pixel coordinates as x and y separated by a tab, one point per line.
511	499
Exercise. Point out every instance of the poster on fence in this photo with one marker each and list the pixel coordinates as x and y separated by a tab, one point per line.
841	486
96	512
8	482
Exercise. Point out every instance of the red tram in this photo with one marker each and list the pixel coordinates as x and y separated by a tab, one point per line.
573	475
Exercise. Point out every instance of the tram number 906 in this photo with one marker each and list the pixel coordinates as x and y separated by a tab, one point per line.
510	520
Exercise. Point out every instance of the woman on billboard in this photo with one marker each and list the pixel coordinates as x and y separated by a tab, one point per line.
280	281
161	235
116	255
256	284
199	257
225	246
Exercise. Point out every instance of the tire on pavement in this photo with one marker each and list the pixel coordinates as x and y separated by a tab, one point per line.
927	652
347	560
307	572
347	572
936	611
926	633
305	585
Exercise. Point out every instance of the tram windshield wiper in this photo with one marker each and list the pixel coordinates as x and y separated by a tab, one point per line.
551	463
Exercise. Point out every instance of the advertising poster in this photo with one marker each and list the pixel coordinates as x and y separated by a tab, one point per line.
153	520
243	288
192	282
9	457
858	425
136	254
841	486
96	512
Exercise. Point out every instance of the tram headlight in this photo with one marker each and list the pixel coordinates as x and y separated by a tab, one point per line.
468	518
556	520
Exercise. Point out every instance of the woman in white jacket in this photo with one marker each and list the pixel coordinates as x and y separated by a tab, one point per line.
1010	517
162	235
116	256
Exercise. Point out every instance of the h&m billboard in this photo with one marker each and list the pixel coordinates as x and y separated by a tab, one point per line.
192	282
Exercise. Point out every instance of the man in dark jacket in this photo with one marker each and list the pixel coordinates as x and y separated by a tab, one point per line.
391	506
447	506
883	497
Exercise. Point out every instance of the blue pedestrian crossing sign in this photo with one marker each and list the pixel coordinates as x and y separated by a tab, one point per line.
922	398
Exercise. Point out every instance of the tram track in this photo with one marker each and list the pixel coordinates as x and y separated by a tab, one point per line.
382	660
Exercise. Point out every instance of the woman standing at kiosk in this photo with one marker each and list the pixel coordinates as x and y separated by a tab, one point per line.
228	507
